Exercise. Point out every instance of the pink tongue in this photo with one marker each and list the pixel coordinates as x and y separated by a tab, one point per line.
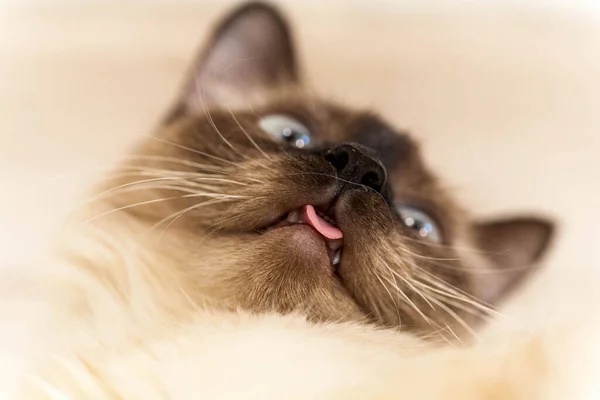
310	216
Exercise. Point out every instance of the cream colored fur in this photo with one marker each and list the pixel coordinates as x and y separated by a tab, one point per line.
221	356
116	325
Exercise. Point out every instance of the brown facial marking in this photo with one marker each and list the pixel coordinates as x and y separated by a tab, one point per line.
391	146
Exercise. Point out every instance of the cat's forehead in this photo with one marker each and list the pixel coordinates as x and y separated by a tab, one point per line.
391	145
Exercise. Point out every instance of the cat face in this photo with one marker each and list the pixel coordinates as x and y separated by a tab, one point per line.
269	199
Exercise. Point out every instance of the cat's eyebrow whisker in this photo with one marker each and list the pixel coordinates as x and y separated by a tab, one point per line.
200	91
248	135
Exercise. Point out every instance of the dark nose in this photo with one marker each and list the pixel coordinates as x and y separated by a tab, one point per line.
357	164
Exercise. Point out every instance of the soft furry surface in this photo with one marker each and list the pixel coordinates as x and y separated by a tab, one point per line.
131	355
72	338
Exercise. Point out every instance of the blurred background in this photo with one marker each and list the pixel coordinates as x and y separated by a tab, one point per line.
504	96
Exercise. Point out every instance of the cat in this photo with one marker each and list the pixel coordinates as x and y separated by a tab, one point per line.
266	243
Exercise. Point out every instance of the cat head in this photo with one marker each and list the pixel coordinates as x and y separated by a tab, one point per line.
271	199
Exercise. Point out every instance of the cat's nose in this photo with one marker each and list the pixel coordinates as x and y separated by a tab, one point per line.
357	164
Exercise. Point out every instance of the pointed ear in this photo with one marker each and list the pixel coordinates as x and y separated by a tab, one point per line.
513	248
250	52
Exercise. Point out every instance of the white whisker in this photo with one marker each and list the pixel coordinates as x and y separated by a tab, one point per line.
212	122
179	214
390	294
193	150
187	163
248	135
129	206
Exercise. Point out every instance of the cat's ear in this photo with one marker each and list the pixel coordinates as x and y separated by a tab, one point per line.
514	248
250	51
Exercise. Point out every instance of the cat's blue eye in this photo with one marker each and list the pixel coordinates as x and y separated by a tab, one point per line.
423	225
286	129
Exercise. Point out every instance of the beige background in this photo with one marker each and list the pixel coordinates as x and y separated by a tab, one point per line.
506	99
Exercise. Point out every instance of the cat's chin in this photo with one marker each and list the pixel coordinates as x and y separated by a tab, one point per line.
313	236
304	245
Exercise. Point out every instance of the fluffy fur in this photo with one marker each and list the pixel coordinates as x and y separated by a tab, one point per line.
153	294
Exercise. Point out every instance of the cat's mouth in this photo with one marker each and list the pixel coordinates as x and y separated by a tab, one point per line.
324	224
